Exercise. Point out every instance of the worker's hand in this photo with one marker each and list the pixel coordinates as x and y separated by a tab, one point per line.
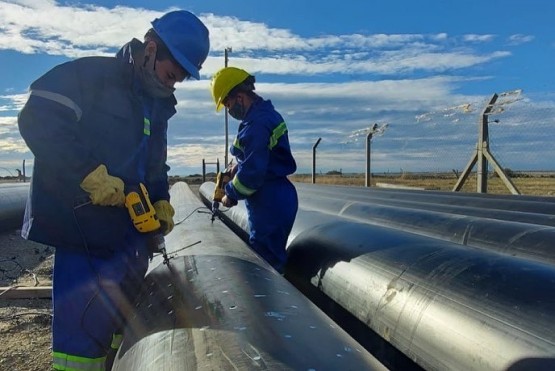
104	189
165	213
233	170
228	202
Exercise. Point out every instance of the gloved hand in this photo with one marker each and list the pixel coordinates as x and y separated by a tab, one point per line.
228	202
165	213
104	189
233	170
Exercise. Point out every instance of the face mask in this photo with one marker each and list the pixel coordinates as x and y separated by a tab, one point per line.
152	85
237	111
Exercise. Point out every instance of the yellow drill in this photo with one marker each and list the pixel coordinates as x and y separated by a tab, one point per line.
144	218
222	179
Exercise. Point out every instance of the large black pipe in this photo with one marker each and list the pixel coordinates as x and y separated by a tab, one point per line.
219	306
530	209
525	240
407	192
13	197
531	204
445	305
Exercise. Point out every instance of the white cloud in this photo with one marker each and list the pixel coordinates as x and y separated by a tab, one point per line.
333	111
13	102
11	143
343	83
74	31
46	27
478	38
518	39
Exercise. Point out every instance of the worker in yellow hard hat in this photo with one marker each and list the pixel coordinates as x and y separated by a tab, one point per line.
264	160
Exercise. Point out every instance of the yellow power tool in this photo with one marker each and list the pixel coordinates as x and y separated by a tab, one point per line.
144	218
222	179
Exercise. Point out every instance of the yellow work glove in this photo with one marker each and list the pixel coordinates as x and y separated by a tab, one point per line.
165	213
104	189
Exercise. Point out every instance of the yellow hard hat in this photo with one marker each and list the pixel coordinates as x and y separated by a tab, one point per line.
224	81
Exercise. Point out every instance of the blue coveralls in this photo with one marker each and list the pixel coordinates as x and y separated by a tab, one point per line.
264	161
79	115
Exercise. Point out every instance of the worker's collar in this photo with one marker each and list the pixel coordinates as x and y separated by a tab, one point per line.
131	52
256	101
145	80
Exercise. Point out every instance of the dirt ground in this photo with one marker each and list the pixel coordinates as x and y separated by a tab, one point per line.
25	335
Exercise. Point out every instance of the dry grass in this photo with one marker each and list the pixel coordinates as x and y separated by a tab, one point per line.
539	185
532	184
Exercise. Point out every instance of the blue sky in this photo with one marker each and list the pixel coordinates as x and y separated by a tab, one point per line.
422	70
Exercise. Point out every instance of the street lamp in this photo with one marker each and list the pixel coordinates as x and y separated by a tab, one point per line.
226	58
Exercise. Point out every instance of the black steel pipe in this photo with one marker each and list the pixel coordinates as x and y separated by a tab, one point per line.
525	240
526	209
219	306
13	198
445	305
493	201
342	199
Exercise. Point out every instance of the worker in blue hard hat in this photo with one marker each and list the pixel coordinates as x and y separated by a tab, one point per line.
97	127
264	160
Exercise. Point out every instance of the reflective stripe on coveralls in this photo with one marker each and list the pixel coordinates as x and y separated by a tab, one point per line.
277	133
237	145
66	362
146	129
116	341
58	98
241	188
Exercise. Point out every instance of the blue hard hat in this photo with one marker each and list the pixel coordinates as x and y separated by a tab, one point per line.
186	37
